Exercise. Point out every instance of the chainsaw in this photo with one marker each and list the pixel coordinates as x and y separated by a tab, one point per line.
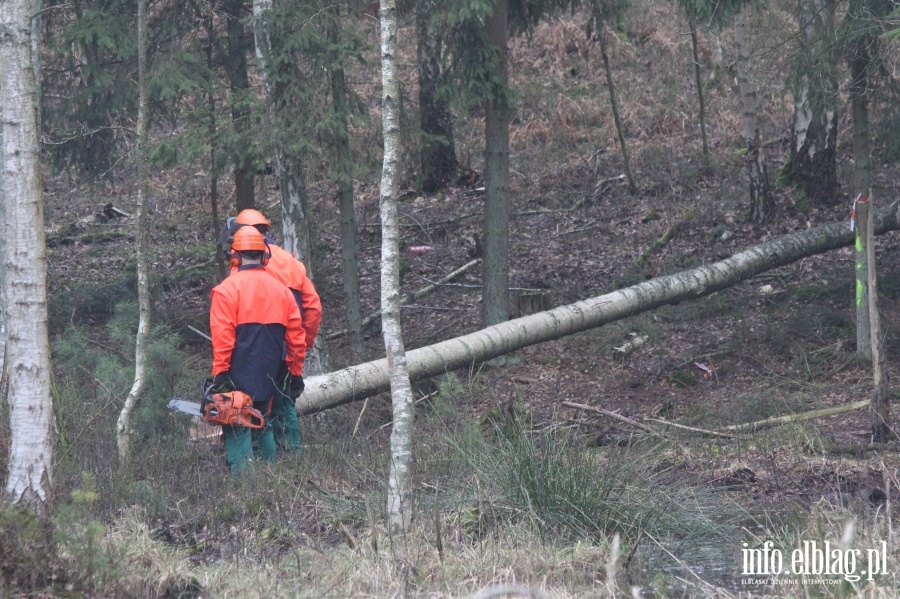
230	408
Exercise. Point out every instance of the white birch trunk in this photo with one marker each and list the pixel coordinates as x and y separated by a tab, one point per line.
123	425
4	331
29	479
880	408
364	380
812	162
37	59
399	503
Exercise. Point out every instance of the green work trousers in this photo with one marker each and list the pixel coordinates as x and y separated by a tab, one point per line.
243	444
285	425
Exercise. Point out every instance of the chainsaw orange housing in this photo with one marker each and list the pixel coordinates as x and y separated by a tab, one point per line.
233	408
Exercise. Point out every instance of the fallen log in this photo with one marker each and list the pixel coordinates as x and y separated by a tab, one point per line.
364	380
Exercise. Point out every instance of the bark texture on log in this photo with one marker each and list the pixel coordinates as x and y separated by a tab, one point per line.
365	380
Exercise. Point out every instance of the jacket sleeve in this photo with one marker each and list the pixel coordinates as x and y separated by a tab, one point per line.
294	336
223	326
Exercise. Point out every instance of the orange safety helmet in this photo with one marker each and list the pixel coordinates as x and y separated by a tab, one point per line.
248	239
254	218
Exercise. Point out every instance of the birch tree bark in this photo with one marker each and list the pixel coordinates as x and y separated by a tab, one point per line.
861	209
860	60
813	160
37	60
760	200
881	392
123	425
4	331
29	480
364	380
399	502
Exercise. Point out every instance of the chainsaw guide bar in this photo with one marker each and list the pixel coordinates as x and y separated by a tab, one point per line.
185	407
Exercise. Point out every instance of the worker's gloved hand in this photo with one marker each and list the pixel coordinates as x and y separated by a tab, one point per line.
222	383
296	386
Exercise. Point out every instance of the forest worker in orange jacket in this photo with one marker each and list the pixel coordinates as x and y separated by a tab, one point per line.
290	271
256	332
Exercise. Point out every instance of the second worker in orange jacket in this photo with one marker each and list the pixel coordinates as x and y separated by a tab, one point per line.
292	273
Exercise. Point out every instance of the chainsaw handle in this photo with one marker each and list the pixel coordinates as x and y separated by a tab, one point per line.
253	418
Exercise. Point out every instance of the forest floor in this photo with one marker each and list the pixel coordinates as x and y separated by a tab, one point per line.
782	342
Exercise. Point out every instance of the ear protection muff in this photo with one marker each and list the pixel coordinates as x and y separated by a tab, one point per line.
247	239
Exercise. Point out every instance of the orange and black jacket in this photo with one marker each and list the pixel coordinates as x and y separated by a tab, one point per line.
255	323
292	273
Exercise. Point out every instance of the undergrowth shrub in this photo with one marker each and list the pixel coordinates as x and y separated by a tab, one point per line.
94	371
26	557
80	539
565	489
88	303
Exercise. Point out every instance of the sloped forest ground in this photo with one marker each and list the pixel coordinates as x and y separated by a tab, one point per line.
779	343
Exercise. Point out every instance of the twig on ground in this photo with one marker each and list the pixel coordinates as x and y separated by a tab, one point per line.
359	418
693	429
666	238
613	415
769	422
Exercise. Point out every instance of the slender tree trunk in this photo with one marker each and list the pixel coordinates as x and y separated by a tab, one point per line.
495	301
860	219
236	66
437	157
717	60
698	80
399	502
295	228
881	392
600	32
288	171
812	164
860	61
344	177
123	426
4	319
214	175
365	380
30	464
760	199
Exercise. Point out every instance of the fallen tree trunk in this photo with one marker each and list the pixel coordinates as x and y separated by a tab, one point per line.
364	380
